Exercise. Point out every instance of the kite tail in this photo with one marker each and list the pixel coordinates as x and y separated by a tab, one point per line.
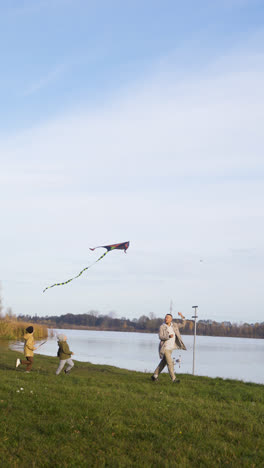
68	281
77	276
102	256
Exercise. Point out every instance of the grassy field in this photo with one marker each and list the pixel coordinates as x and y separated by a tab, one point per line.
101	416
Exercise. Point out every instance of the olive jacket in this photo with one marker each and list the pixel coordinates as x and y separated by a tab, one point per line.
164	336
64	351
29	345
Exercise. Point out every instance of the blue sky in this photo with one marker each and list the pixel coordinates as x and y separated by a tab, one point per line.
62	53
137	121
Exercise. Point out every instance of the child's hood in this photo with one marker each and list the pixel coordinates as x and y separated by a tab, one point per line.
27	336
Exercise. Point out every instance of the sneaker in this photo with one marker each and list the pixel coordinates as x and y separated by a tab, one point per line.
27	372
18	362
154	378
176	381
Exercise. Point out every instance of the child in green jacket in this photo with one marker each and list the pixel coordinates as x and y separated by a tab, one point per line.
64	354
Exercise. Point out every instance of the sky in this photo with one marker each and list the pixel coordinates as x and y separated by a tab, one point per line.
132	121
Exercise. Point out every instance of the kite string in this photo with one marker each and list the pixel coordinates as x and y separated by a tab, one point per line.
77	276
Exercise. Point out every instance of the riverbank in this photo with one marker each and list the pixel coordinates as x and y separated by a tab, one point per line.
104	416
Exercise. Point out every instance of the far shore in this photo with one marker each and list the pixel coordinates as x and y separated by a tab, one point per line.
81	327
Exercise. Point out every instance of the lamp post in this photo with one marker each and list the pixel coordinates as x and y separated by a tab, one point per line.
194	338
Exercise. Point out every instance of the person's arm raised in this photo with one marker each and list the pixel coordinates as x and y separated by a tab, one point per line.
181	325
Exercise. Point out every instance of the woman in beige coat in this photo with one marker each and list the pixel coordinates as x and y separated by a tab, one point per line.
28	349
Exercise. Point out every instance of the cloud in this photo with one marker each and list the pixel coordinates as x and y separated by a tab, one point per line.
173	165
205	125
46	80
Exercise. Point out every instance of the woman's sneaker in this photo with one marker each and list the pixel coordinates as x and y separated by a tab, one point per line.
18	362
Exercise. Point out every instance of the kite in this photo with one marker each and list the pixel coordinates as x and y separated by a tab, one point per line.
123	246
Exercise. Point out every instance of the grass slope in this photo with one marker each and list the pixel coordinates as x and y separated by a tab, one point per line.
100	416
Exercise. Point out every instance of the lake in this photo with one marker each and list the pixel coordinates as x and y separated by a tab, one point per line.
234	358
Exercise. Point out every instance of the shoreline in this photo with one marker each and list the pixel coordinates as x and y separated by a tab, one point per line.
88	349
162	375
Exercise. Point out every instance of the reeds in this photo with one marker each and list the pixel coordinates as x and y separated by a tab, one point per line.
15	330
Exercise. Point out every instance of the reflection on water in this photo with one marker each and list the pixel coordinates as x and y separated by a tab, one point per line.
235	358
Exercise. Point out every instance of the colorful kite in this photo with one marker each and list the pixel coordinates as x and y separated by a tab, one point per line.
123	246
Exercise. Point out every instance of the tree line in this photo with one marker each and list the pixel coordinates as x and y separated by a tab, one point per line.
147	324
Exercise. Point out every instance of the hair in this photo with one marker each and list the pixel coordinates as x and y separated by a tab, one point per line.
61	337
169	314
29	329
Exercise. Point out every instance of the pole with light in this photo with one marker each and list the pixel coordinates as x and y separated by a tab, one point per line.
194	338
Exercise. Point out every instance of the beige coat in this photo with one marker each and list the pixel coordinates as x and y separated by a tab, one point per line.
164	336
29	344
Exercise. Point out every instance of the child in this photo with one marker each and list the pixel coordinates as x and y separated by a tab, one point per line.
28	350
64	354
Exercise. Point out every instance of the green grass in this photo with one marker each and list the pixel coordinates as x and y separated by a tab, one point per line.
102	416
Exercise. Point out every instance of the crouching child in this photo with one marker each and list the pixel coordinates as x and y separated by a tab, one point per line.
64	354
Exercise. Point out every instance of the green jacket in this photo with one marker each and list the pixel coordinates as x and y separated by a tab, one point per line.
64	350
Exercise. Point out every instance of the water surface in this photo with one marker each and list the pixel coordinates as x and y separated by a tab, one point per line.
234	358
